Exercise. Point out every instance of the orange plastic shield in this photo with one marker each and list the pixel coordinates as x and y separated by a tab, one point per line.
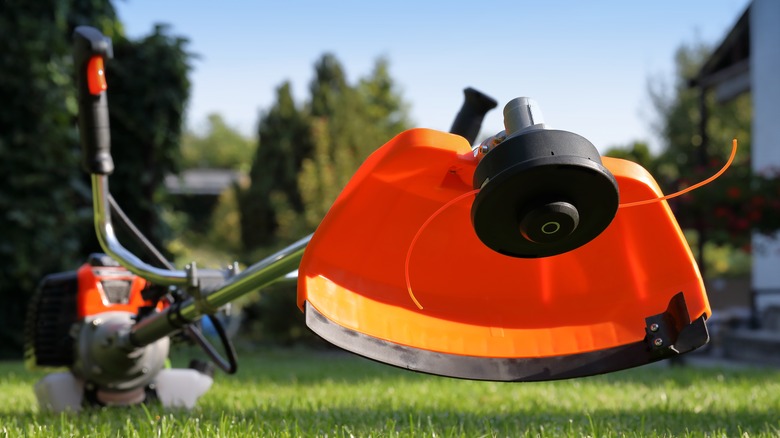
630	296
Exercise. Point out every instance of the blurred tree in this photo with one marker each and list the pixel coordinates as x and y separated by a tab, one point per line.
284	141
274	317
304	159
46	201
385	108
638	152
338	127
146	103
348	124
689	157
306	156
40	198
679	116
99	14
225	230
723	212
220	146
204	221
719	258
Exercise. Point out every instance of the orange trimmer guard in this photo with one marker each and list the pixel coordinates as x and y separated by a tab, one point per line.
631	296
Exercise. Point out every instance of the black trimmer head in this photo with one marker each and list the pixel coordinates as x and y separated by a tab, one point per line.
543	192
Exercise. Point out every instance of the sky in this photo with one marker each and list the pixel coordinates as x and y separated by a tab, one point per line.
587	63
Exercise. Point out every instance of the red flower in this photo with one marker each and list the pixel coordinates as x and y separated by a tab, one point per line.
733	192
721	212
741	224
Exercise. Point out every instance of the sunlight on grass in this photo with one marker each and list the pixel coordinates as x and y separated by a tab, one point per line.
303	393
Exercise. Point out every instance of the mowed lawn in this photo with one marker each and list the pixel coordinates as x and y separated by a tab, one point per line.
324	393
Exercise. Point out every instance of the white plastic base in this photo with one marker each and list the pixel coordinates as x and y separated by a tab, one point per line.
181	388
175	388
60	392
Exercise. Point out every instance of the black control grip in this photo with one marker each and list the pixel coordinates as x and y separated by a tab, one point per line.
90	49
469	119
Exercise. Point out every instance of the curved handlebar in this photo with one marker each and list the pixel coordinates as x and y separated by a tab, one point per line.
90	49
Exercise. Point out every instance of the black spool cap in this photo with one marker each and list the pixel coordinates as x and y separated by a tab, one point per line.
542	193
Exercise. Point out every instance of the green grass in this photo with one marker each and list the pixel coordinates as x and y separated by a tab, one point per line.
303	393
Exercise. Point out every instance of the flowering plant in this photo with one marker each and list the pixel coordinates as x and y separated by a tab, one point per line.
729	208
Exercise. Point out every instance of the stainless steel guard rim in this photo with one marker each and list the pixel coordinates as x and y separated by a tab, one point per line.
499	369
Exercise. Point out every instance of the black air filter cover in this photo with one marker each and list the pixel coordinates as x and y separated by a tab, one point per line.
51	313
542	193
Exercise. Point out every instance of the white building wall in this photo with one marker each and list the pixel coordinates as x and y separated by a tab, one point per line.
765	85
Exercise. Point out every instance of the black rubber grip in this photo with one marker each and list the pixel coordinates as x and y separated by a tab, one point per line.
94	130
469	119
